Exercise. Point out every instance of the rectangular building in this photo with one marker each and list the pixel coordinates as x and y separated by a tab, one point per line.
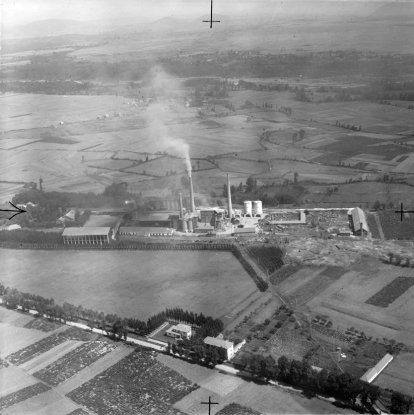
372	373
358	221
86	236
145	231
179	331
221	344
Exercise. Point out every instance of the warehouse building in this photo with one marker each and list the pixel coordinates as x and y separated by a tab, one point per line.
372	373
86	236
358	221
145	231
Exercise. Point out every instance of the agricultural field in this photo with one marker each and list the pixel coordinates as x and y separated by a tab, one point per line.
138	383
23	394
236	409
269	259
146	281
398	375
388	294
345	301
394	228
228	389
71	149
74	361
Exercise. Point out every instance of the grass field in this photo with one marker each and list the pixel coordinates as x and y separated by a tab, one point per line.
131	283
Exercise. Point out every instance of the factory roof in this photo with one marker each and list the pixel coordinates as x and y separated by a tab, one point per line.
154	216
372	373
87	231
144	230
214	341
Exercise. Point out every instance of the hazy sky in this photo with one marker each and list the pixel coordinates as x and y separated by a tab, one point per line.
23	11
16	12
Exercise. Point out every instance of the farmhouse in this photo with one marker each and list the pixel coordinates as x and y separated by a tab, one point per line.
179	331
358	221
82	236
221	344
372	373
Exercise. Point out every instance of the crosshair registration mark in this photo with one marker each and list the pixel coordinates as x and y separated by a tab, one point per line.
402	211
211	21
209	403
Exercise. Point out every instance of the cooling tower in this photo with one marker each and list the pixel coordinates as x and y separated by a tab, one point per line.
257	208
248	207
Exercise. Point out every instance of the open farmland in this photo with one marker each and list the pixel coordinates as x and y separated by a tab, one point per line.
345	302
74	361
391	292
86	153
136	383
132	283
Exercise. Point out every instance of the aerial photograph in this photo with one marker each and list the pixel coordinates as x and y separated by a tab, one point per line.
206	207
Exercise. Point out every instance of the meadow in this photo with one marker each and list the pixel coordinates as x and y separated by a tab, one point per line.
131	283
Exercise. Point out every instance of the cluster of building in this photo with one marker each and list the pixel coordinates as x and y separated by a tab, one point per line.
216	221
203	220
184	331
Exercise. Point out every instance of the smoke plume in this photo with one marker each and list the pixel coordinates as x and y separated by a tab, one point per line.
162	114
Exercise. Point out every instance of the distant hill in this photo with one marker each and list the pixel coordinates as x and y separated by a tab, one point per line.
394	11
54	27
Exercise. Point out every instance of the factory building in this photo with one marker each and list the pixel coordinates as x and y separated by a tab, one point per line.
86	236
154	219
132	231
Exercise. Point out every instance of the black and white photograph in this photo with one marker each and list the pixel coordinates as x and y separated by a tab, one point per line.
206	207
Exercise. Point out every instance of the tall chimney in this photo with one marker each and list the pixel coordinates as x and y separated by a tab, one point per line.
181	206
230	207
191	193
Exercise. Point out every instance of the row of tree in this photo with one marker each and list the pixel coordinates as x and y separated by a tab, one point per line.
261	284
199	352
49	206
348	126
342	386
12	298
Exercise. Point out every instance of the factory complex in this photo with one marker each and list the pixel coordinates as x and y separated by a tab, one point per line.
249	221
